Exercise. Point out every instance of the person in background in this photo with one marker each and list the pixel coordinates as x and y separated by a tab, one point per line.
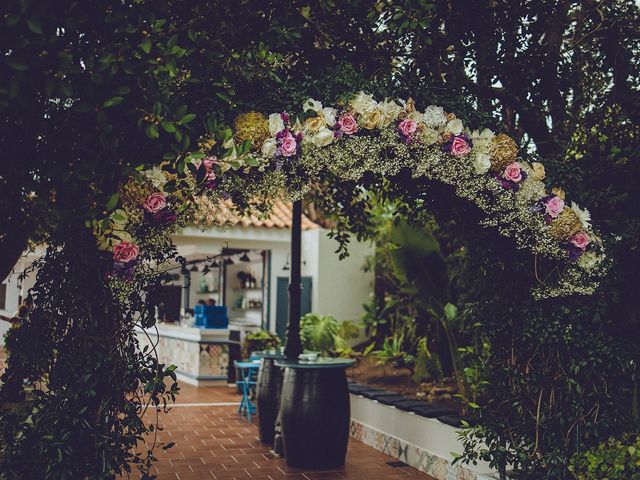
211	302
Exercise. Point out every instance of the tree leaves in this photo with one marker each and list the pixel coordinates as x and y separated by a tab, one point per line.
146	45
113	101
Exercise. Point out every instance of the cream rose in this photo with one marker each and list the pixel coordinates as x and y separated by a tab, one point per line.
372	119
275	123
313	124
323	138
269	147
362	103
390	111
482	163
454	126
329	115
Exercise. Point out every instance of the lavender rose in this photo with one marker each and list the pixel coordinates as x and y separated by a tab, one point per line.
460	146
288	146
513	172
580	240
155	202
407	127
554	206
347	124
125	252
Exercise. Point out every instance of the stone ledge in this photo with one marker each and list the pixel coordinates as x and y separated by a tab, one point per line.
425	444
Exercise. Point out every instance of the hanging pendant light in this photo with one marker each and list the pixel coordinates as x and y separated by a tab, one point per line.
245	257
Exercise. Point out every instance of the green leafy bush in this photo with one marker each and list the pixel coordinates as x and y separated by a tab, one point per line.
325	334
614	459
260	340
393	351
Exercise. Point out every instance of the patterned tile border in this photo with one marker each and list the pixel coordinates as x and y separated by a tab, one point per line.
418	458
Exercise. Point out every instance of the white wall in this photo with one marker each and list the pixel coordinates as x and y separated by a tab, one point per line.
340	287
14	291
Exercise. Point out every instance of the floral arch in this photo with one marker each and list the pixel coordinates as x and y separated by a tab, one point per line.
281	154
261	158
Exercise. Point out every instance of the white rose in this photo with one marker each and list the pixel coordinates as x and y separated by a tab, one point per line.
434	116
362	103
275	123
429	136
329	115
390	111
269	147
311	104
482	140
323	138
454	126
482	163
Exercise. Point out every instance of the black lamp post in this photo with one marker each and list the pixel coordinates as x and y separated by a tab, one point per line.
293	345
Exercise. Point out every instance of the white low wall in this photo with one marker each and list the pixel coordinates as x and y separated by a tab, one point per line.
423	443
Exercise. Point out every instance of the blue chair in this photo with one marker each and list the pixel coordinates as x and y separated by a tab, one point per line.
248	374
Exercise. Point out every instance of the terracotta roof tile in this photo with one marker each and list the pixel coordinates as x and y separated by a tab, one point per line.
279	217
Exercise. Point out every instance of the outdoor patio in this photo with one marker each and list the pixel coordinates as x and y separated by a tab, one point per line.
214	442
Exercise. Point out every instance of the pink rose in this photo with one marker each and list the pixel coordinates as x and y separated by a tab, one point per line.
554	206
348	124
513	172
155	202
289	146
407	127
460	147
207	164
581	240
125	252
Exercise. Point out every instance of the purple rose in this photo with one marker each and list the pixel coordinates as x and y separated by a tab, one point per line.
163	217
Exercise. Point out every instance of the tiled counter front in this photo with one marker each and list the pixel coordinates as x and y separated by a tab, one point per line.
423	443
201	355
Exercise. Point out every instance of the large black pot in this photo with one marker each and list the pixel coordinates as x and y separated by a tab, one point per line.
268	397
315	414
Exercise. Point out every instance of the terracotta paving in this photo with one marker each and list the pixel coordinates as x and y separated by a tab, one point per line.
214	442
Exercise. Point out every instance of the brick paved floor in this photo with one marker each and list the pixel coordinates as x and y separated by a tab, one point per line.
214	442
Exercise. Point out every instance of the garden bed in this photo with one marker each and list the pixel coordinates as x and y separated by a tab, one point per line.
399	380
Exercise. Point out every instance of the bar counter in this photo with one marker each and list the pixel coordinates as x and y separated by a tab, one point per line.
201	355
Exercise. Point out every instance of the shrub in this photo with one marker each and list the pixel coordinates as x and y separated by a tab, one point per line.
614	459
260	340
325	334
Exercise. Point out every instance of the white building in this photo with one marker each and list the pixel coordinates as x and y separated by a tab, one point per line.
254	250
